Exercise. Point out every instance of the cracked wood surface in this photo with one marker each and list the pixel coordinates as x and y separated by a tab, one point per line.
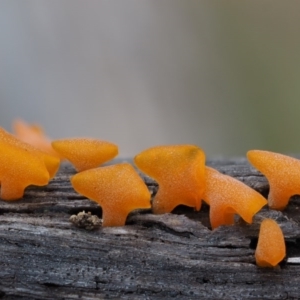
44	256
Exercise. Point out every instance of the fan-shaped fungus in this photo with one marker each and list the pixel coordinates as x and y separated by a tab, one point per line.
282	172
33	135
179	171
19	168
117	188
228	196
51	162
85	153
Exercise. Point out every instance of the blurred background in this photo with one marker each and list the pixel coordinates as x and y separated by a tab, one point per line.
221	74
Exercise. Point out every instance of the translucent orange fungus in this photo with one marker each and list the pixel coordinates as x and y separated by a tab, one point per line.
85	153
117	188
227	197
179	171
282	172
51	162
21	166
34	135
270	248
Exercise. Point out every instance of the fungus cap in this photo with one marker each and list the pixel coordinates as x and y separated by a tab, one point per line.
282	172
179	171
34	135
228	196
118	189
19	168
270	248
85	153
51	162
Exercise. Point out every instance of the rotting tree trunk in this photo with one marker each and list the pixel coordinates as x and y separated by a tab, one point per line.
44	256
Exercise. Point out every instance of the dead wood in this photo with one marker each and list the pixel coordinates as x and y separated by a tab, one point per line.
45	256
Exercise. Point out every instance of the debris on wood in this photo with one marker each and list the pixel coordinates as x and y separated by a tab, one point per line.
86	220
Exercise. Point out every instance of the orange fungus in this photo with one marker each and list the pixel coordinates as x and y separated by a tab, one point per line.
179	171
33	135
19	167
228	196
270	248
51	162
85	153
118	189
282	172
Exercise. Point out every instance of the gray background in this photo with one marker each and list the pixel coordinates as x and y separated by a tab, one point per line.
221	74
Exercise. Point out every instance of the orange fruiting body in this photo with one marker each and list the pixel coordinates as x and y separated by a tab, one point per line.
34	135
51	162
85	153
270	248
179	171
117	188
227	197
282	172
19	167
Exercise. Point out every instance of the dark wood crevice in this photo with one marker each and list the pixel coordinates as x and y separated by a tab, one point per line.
44	256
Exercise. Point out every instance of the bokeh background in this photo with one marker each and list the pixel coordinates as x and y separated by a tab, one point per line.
221	74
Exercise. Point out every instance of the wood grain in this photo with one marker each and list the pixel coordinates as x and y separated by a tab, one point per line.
44	256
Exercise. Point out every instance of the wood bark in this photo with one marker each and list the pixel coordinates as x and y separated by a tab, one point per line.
178	256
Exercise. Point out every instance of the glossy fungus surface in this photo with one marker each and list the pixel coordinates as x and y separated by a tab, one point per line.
227	197
85	153
270	248
179	171
51	162
34	135
118	189
282	172
19	168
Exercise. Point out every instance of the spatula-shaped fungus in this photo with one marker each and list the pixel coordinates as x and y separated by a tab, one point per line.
117	188
51	162
227	197
282	172
19	168
179	171
270	248
34	135
85	153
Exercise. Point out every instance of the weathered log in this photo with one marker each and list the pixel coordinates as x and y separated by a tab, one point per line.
44	256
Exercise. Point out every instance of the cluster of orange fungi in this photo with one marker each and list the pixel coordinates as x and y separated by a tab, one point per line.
28	157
